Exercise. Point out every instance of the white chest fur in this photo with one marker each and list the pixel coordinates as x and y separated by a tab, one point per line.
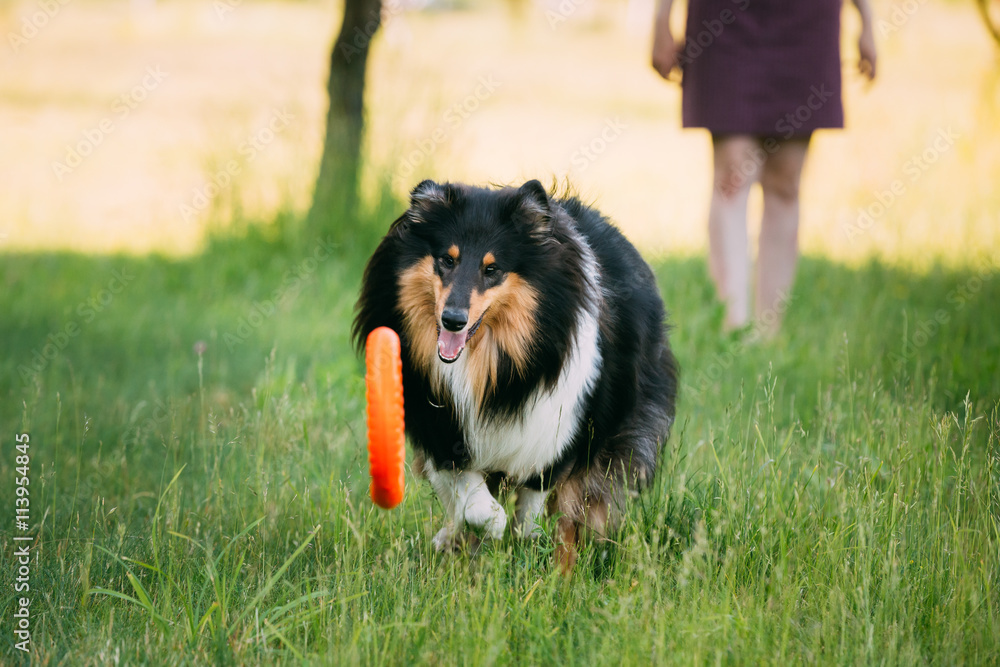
527	444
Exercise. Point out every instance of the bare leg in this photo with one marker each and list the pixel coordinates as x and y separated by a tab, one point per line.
779	233
737	164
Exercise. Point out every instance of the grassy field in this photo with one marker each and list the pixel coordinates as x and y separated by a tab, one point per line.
832	496
198	475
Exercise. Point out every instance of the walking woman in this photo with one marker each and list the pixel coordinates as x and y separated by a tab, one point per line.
761	75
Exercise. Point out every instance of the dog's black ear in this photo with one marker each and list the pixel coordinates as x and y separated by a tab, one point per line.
534	209
532	192
428	193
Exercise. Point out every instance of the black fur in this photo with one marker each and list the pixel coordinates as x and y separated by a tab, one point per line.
631	408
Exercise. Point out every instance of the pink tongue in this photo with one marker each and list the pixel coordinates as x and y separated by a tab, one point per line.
450	343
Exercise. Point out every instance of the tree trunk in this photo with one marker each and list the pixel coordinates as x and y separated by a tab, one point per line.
336	192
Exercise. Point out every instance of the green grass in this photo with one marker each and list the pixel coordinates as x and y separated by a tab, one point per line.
832	496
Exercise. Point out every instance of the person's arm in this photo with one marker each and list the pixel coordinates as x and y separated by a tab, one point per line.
664	48
867	56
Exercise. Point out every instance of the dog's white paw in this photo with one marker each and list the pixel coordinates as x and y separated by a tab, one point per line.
466	500
447	539
527	529
484	512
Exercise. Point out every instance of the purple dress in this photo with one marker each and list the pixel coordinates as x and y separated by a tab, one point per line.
769	68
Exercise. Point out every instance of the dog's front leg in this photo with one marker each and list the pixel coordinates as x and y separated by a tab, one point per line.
466	499
527	510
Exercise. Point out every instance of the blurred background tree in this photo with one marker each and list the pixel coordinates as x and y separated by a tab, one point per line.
990	10
336	192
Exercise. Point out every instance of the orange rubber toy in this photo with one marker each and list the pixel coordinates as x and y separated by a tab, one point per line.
386	439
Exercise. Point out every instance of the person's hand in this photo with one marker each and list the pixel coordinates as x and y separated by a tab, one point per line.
665	50
867	56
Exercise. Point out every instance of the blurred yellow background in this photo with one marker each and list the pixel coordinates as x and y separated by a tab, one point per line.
135	126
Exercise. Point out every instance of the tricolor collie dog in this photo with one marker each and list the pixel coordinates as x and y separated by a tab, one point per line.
534	350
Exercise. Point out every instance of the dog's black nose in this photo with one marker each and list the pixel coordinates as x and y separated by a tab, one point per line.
454	319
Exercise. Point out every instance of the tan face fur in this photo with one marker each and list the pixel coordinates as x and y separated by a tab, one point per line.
508	320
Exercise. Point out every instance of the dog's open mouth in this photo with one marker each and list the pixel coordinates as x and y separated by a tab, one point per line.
451	343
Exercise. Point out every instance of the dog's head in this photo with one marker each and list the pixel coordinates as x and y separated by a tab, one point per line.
469	266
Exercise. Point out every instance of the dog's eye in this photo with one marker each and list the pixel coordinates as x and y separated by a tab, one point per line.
448	261
490	270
